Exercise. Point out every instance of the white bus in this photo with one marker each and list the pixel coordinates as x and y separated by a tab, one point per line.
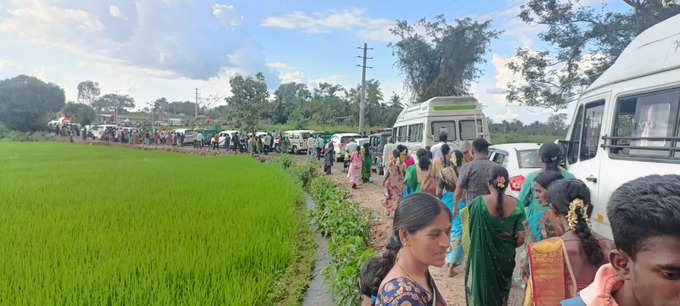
462	118
627	124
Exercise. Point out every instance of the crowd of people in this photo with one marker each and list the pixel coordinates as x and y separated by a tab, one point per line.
448	210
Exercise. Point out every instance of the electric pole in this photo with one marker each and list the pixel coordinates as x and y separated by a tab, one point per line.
196	109
362	104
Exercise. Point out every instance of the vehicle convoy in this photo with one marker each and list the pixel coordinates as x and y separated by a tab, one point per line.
420	125
626	124
520	159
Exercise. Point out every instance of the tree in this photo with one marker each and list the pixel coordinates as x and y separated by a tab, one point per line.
88	92
114	103
557	124
443	61
287	97
25	102
583	43
83	114
248	100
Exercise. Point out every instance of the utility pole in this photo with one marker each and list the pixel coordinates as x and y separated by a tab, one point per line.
362	105
196	109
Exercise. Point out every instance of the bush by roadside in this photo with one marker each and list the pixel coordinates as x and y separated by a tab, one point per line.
345	224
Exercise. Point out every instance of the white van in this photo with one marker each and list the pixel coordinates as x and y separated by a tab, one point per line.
188	136
340	140
419	125
298	140
626	124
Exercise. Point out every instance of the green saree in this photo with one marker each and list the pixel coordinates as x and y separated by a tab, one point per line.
366	168
491	257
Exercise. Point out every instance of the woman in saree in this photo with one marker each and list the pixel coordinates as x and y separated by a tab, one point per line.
549	155
562	266
354	172
329	157
495	231
418	239
541	225
448	177
366	166
411	176
394	181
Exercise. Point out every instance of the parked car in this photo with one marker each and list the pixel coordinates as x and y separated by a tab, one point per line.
625	124
339	142
520	159
378	142
189	136
298	140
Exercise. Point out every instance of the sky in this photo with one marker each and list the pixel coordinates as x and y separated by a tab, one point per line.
167	48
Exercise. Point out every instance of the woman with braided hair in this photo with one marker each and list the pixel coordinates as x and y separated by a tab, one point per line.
419	239
495	230
568	262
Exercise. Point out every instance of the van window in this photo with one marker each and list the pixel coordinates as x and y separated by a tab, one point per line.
592	124
639	118
306	135
500	158
415	132
394	134
401	134
575	137
444	126
346	139
467	129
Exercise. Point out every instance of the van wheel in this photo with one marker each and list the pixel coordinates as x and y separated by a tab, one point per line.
294	150
381	171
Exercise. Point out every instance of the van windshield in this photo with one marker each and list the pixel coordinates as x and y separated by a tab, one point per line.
306	135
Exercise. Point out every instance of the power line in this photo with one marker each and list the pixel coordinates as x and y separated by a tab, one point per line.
362	105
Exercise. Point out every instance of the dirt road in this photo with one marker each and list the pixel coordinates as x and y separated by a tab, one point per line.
370	195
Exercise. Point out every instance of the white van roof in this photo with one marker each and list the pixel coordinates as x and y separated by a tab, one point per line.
657	49
444	106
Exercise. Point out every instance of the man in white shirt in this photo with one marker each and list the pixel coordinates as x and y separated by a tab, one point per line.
199	140
437	149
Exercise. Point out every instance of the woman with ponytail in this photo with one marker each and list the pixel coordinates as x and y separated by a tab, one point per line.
571	260
495	230
550	155
419	239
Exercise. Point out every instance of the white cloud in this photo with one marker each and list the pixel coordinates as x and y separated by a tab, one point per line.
5	64
115	12
509	115
278	65
227	15
347	19
293	76
333	79
163	44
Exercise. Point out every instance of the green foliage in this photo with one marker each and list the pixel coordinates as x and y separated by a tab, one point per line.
113	103
86	225
14	135
582	43
248	100
26	101
83	113
88	92
517	138
348	228
443	61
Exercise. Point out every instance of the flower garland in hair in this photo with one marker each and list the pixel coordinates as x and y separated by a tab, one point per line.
572	217
500	182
